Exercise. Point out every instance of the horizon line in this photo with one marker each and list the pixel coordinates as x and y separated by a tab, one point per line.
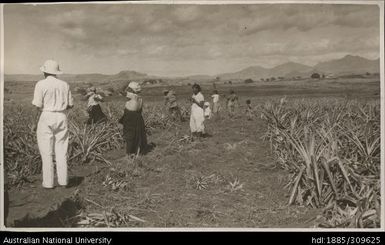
191	75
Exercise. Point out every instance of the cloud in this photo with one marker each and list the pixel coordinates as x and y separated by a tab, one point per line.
144	34
307	17
185	14
75	32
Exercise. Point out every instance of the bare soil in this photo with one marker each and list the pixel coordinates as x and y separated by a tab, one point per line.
164	189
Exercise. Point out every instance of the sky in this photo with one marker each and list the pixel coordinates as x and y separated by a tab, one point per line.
184	39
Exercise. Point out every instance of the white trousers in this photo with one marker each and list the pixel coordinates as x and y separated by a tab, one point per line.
52	138
197	119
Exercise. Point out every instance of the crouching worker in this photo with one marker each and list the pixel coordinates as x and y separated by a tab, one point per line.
52	97
94	110
134	131
249	110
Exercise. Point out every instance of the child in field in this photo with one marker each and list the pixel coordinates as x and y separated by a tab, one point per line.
94	110
134	131
249	110
207	110
216	105
197	117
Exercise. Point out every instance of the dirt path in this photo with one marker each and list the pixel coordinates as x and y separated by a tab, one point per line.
227	180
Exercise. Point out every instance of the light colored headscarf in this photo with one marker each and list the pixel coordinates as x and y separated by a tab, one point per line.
135	87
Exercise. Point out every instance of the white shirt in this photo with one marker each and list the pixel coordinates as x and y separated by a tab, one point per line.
215	98
199	98
52	94
92	100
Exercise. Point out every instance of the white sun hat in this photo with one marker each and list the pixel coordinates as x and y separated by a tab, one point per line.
135	86
51	67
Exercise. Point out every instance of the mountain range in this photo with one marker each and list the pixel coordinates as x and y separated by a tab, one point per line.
347	65
344	66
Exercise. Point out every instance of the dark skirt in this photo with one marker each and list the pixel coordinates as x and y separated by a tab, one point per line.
134	132
96	115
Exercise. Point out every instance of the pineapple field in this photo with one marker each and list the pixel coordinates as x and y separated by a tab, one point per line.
302	162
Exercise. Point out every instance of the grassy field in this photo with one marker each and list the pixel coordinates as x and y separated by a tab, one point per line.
310	160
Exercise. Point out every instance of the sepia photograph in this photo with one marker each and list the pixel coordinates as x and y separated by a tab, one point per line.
193	115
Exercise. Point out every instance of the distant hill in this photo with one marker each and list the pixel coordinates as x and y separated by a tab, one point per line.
290	67
127	75
346	65
349	65
258	72
254	72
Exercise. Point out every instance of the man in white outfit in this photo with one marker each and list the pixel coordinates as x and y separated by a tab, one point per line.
52	97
